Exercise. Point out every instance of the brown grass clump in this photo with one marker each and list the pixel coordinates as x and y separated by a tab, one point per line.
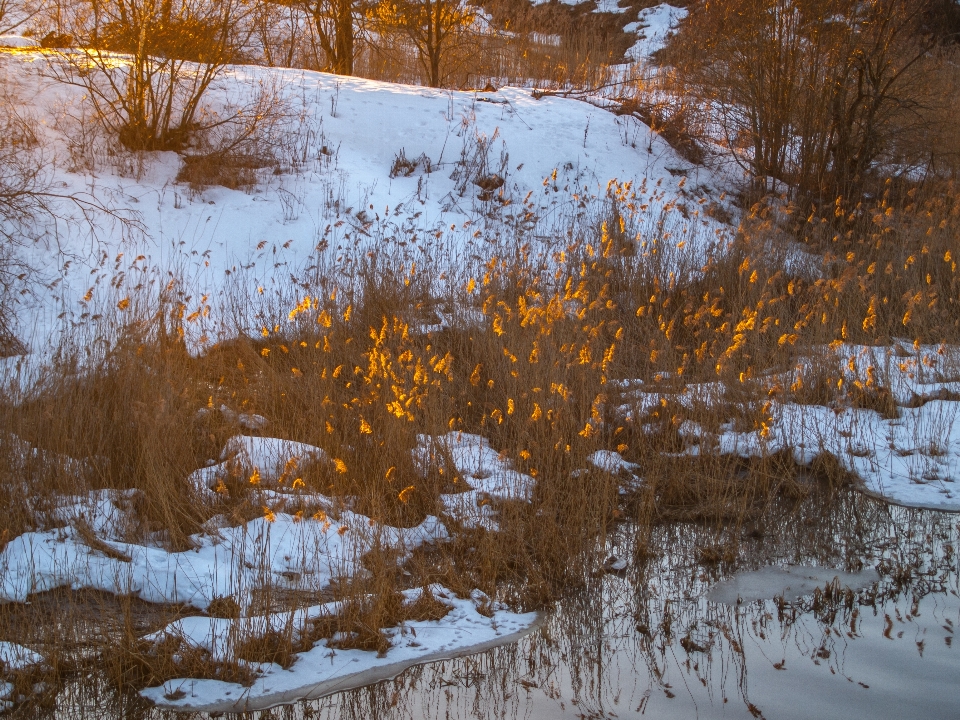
237	171
141	664
223	607
879	399
134	417
359	625
274	646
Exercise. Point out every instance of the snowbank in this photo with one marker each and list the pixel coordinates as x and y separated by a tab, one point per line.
324	670
288	551
17	41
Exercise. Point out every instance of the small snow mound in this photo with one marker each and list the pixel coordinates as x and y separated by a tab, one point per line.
17	41
17	657
297	553
615	565
271	458
483	468
792	583
487	476
611	462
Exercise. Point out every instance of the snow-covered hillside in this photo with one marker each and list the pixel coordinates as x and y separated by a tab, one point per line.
330	185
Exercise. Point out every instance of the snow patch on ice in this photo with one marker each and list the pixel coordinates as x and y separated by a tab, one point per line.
323	670
791	583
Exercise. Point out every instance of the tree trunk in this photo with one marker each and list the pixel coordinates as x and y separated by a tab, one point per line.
343	60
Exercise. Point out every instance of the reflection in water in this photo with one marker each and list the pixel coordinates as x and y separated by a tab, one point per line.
647	643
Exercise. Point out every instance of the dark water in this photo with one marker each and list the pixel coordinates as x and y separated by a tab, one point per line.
647	644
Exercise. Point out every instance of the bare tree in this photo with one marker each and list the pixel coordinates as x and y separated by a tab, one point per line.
14	15
278	27
877	91
147	64
338	26
437	29
32	211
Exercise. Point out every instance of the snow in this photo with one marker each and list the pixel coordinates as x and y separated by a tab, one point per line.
486	474
912	459
332	196
17	657
614	564
611	462
109	514
602	6
273	460
17	41
791	583
323	670
609	6
614	463
218	636
486	470
288	551
653	28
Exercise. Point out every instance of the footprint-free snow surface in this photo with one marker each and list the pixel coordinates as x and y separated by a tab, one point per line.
324	670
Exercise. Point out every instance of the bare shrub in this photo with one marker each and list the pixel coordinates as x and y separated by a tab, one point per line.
405	167
814	95
231	170
477	167
147	65
242	139
24	180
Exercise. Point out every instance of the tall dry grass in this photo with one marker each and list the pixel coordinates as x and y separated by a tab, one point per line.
529	355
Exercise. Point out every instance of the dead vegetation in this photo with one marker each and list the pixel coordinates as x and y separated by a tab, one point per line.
530	352
533	371
530	363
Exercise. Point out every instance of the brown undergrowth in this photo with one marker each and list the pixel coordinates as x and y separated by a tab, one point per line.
535	353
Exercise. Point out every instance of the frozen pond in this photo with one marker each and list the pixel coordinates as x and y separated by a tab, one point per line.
668	638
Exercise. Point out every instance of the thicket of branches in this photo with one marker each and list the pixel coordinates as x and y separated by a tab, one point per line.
826	98
174	50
